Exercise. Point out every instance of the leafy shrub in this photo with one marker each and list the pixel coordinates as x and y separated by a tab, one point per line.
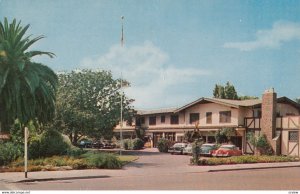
10	152
196	146
133	144
127	144
137	144
52	143
57	161
78	164
75	152
34	147
246	159
260	143
163	145
104	160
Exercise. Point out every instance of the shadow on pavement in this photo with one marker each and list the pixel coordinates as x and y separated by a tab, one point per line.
61	178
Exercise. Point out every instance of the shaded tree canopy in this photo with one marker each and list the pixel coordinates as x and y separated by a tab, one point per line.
88	103
27	88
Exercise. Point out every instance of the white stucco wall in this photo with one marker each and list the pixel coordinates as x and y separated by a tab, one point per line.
215	109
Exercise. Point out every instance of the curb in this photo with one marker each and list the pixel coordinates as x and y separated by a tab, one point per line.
252	168
62	178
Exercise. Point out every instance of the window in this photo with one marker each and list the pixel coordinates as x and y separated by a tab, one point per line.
293	135
257	113
140	121
209	117
174	120
225	116
152	120
194	117
162	119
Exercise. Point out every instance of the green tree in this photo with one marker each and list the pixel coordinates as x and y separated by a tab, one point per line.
27	88
88	103
219	91
230	92
297	100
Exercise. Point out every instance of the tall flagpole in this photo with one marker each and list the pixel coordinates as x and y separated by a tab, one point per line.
121	124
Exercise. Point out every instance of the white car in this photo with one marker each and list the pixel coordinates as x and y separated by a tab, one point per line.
188	149
177	148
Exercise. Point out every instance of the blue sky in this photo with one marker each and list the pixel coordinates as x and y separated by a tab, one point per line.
175	51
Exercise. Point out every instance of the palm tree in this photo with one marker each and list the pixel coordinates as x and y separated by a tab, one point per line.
27	88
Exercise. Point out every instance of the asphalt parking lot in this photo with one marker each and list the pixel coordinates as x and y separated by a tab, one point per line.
162	171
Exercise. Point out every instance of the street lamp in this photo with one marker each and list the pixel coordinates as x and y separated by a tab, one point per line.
121	109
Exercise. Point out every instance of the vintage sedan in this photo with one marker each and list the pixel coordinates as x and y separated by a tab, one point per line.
226	151
85	143
207	149
188	149
177	148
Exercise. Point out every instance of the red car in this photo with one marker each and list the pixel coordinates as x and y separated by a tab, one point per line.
227	150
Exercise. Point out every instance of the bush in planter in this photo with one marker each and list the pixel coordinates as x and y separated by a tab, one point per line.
163	145
261	144
137	144
10	152
196	151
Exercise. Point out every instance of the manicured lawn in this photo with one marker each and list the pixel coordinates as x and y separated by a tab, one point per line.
88	160
246	159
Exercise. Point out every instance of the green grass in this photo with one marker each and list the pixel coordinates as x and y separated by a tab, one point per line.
87	160
246	159
127	158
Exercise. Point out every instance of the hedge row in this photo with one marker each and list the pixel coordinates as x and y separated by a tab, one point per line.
247	159
84	161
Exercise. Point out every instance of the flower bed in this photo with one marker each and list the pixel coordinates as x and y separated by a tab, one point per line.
246	159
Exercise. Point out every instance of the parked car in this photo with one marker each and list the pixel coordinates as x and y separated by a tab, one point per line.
188	149
177	148
227	150
97	144
85	143
107	144
207	149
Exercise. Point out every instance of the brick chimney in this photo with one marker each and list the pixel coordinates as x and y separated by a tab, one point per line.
268	119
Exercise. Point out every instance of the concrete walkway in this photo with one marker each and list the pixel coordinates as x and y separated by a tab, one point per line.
150	162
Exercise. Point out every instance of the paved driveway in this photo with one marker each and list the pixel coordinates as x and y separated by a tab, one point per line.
156	171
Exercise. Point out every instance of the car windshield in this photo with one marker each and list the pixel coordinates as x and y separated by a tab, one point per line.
226	147
207	146
178	145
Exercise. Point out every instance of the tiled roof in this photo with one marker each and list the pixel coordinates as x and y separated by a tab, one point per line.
225	102
156	111
250	102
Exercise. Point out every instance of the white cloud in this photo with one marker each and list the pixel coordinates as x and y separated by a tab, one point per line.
148	70
282	31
